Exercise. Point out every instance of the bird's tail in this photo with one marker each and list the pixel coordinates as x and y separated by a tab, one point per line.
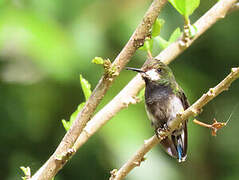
176	144
181	154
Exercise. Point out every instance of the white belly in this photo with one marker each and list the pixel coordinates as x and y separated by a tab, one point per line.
176	106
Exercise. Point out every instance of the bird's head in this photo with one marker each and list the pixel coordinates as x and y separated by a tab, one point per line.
155	72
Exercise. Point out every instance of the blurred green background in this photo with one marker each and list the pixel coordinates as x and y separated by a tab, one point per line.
45	45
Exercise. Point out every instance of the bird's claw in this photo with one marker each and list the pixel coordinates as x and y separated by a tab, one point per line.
161	131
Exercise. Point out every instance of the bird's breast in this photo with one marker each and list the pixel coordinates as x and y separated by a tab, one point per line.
162	105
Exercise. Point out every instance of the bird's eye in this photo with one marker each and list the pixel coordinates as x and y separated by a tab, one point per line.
159	70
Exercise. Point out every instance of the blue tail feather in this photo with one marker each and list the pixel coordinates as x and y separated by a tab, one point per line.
179	149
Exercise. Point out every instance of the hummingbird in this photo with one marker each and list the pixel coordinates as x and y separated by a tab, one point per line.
164	99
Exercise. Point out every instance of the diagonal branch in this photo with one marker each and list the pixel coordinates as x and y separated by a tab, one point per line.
128	95
193	110
64	150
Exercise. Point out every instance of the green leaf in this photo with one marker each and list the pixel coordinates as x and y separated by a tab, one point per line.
85	87
175	35
87	92
161	42
67	124
158	24
74	114
185	7
98	60
140	95
148	45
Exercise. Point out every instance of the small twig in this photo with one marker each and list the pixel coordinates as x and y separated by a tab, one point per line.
215	126
193	110
202	124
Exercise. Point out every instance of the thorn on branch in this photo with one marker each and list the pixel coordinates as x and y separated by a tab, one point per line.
138	163
142	159
65	156
147	21
234	70
146	142
138	43
179	115
211	92
196	111
113	174
130	100
136	100
226	88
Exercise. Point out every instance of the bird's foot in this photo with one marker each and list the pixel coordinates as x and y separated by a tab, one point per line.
161	132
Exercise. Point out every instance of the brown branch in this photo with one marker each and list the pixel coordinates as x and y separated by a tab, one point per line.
193	110
53	165
128	94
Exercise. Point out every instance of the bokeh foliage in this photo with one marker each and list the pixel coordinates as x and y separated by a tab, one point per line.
45	45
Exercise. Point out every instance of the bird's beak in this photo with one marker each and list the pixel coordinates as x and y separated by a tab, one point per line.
135	69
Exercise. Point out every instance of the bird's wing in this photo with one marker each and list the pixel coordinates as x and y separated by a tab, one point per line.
183	98
183	137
